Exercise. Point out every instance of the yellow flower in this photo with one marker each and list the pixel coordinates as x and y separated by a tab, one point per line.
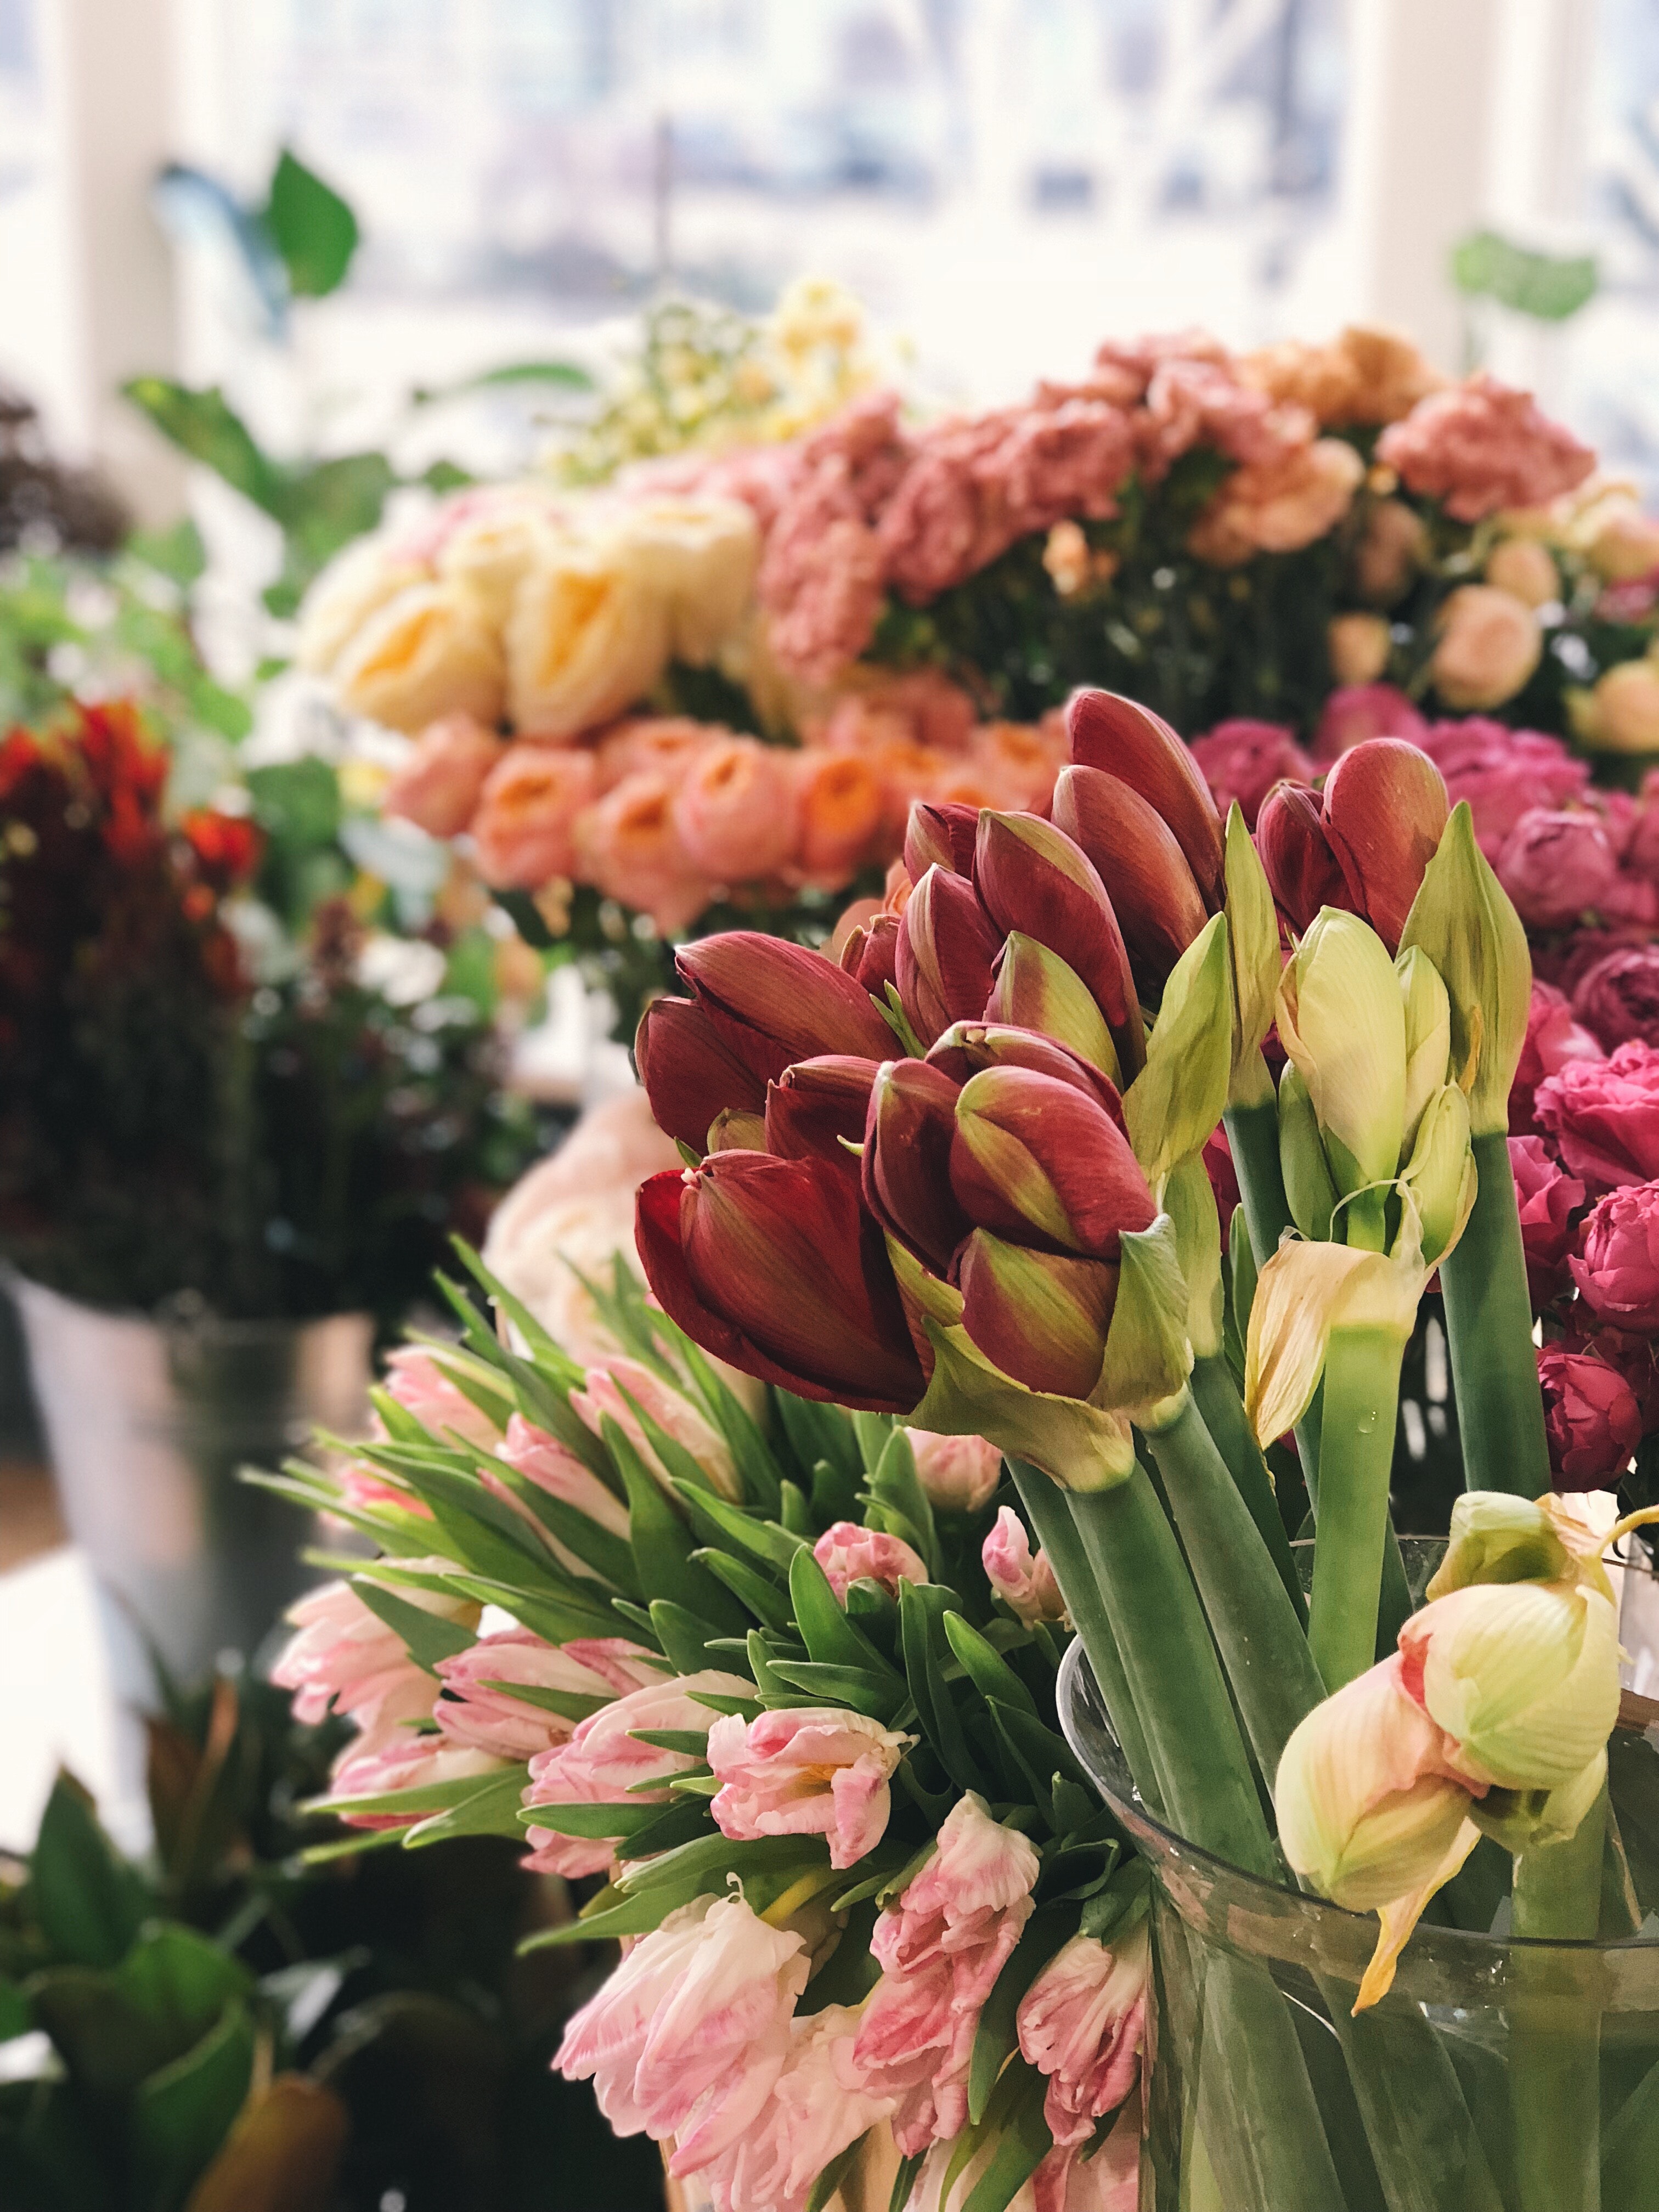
427	652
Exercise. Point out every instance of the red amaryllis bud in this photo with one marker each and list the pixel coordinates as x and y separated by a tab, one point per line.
815	1103
689	1074
775	1003
908	1137
1304	871
1032	878
1042	1317
773	1266
946	944
1159	905
1384	809
1036	990
940	834
967	1046
1037	1160
870	955
1130	742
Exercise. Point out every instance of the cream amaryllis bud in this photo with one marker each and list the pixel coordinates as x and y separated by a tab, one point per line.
1304	1292
1440	1176
1309	1189
1253	941
1175	1102
1462	919
1342	1023
1189	1199
1496	1537
1428	1035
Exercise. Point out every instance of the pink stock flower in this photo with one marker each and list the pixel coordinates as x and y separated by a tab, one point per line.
671	1409
805	1771
940	1949
1617	999
848	1553
438	787
546	1462
1242	760
478	1713
1591	1418
1604	1117
821	576
1557	864
1503	773
818	2106
738	810
421	1386
604	1764
345	1657
1192	401
1548	1198
1618	1276
1062	461
526	814
1024	1581
403	1762
958	1473
628	848
1553	1040
1358	711
1480	446
1080	2023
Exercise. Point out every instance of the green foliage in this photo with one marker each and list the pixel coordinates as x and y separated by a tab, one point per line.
1546	286
312	227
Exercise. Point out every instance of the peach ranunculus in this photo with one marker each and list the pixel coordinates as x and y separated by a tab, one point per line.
1359	645
355	585
426	653
480	1713
805	1771
1625	545
602	1394
526	813
1393	546
1525	569
343	1657
1280	505
416	1379
1480	446
1081	2022
959	1473
849	1554
1359	379
1019	761
940	1949
604	1764
1023	1580
841	800
738	810
658	744
628	846
588	635
437	788
1488	645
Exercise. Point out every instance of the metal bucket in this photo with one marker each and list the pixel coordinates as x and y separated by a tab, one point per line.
147	1422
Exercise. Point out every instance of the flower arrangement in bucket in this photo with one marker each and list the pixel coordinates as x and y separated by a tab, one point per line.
955	1186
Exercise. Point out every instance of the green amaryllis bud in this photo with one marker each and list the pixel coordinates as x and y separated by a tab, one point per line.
1496	1537
1037	1160
1463	920
1309	1189
1189	1198
1035	989
1342	1023
1253	938
1040	1317
1149	1352
1428	1035
1440	1176
1175	1102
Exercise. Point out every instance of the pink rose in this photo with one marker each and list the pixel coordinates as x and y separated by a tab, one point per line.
1618	1276
488	1717
817	2107
344	1657
958	1473
525	816
1242	760
940	1949
805	1771
1359	711
1554	1039
628	846
438	787
417	1381
1024	1582
848	1553
1635	1357
542	1460
1480	446
1548	1200
1080	2023
403	1762
604	1762
1604	1117
1618	1000
1556	866
1503	773
738	810
943	523
1590	1417
686	1425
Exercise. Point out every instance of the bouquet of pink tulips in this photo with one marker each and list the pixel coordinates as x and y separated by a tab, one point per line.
784	1667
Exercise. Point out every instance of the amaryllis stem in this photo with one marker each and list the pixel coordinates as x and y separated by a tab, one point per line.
1555	2026
1500	1410
1362	1391
1253	1140
1225	1417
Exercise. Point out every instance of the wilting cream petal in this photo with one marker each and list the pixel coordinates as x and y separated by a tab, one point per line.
1399	1918
1305	1290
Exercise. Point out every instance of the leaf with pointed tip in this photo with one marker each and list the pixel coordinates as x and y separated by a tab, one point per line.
830	1637
853	1686
990	1674
920	1608
491	1811
761	1595
427	1637
663	1544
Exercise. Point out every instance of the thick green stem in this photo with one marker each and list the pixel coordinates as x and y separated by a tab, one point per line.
1362	1393
1555	2031
1253	1140
1500	1413
1223	1409
1256	1627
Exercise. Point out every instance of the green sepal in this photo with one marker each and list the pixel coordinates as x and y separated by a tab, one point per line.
1149	1355
1177	1100
830	1637
427	1637
761	1595
1253	939
855	1687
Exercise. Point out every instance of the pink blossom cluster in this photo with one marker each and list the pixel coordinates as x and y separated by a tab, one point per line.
665	814
1480	446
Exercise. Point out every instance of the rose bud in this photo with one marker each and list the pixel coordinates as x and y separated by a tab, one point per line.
1489	644
1621	715
1036	990
908	1135
967	1047
772	1266
959	1474
1039	1317
689	1074
1032	878
1132	743
1357	711
946	944
870	955
815	1103
1357	648
942	834
1158	901
1590	1417
1619	1274
1384	809
1300	863
1548	1198
1555	864
1343	1023
1525	569
774	1003
1617	999
1035	1158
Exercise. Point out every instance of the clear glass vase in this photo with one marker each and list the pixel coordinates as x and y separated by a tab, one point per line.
1497	2075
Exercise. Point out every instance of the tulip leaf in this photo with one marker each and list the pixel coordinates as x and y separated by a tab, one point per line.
541	1344
1042	1754
894	1482
767	1866
854	1687
766	1540
871	1431
830	1637
998	2034
558	1618
663	1544
835	1493
427	1637
180	2116
904	2181
679	1464
762	1597
921	1608
569	1705
682	1635
682	1822
750	1448
989	1673
1019	2135
611	1556
595	1822
835	2173
492	1810
818	1432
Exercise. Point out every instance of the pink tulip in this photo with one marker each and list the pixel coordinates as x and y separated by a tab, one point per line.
959	1473
438	787
805	1771
848	1553
526	814
671	1409
818	2106
604	1764
417	1381
940	1949
345	1657
403	1762
1024	1581
546	1462
479	1713
738	810
1080	2023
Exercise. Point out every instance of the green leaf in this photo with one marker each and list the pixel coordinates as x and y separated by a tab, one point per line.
427	1637
297	802
830	1637
684	1821
180	2115
896	1485
88	1902
203	426
866	1693
611	1556
422	1797
759	1469
1548	287
794	1511
682	1635
177	553
564	374
569	1705
833	2174
558	1618
904	2181
663	1544
921	1608
16	2016
763	1597
989	1673
598	1821
1041	1752
820	1432
310	227
492	1810
679	1464
997	2033
768	1540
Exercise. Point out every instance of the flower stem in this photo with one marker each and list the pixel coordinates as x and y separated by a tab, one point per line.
1555	2029
1500	1412
1253	1140
1362	1390
1218	1401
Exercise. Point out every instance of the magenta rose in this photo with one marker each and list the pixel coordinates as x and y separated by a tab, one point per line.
1618	1276
1604	1117
1548	1198
1590	1417
1556	865
1635	1357
1553	1040
1355	712
1242	760
1503	773
1618	1000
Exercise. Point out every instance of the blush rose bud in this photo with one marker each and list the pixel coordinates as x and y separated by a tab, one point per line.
958	1474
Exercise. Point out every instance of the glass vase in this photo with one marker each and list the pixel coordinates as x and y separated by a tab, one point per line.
1496	2075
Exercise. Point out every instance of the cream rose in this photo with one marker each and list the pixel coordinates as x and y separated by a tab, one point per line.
588	635
1359	647
491	552
1489	645
700	556
427	653
1621	715
355	585
1524	568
